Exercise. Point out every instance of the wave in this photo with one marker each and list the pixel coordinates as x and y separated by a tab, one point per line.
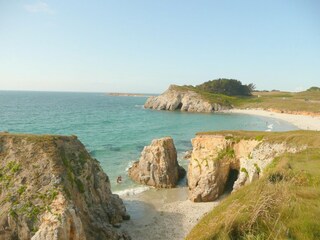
139	106
132	191
270	127
130	164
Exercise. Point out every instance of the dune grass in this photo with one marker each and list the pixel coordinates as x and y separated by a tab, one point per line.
283	204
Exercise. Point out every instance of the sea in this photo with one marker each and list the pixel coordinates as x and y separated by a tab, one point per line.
115	129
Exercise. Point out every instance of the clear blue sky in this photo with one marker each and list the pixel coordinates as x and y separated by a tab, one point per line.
145	45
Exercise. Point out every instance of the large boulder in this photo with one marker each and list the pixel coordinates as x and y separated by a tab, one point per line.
51	188
158	165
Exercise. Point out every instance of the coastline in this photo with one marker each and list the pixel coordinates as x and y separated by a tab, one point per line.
304	122
167	213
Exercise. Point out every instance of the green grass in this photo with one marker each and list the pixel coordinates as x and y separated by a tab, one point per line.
210	97
227	152
283	204
307	101
282	101
244	170
80	185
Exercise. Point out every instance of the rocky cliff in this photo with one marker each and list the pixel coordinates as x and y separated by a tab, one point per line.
50	188
158	165
221	163
183	99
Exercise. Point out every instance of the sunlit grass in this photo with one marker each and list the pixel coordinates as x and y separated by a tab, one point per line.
274	207
281	101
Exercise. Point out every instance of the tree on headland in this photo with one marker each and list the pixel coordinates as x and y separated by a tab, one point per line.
230	87
314	89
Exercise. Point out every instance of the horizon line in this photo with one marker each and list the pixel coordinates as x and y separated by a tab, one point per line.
71	91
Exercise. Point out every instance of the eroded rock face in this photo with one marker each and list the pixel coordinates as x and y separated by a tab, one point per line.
214	156
158	165
52	189
175	99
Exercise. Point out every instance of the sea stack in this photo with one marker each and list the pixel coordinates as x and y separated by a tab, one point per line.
158	165
51	188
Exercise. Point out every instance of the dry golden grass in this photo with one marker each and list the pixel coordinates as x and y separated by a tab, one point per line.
284	204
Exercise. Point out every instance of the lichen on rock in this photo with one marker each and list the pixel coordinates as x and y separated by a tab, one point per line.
158	165
51	188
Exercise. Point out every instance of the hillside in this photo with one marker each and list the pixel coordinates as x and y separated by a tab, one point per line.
300	102
283	204
306	102
188	99
51	188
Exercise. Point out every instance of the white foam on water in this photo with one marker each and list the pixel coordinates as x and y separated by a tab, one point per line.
130	165
132	191
270	127
139	106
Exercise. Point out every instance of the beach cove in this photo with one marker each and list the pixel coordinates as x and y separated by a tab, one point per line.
168	214
106	134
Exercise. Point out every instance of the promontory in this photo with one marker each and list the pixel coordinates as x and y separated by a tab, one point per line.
51	188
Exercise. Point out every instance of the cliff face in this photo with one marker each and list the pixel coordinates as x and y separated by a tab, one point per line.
175	99
222	163
50	188
158	165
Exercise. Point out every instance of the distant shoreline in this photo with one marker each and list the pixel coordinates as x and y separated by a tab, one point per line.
129	94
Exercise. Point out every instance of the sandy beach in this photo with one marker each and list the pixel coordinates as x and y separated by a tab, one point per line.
304	122
163	214
168	214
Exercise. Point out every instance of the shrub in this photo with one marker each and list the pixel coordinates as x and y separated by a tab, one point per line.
244	170
275	177
230	87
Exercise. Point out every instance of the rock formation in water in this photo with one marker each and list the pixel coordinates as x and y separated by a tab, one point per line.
158	165
179	98
222	163
50	188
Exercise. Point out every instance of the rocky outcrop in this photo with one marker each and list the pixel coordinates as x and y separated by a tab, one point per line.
222	163
158	165
178	98
50	188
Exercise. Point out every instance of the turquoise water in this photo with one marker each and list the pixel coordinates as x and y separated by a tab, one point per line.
115	129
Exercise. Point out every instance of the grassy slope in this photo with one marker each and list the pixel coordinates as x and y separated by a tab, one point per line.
281	101
283	204
212	98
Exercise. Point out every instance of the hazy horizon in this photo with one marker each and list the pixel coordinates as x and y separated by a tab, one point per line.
144	46
107	92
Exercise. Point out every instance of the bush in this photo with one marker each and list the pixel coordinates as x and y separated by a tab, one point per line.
314	89
230	87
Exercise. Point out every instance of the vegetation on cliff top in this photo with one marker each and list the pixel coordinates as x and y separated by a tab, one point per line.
283	204
230	87
314	89
306	101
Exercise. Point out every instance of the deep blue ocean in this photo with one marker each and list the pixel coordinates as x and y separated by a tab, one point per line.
115	129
